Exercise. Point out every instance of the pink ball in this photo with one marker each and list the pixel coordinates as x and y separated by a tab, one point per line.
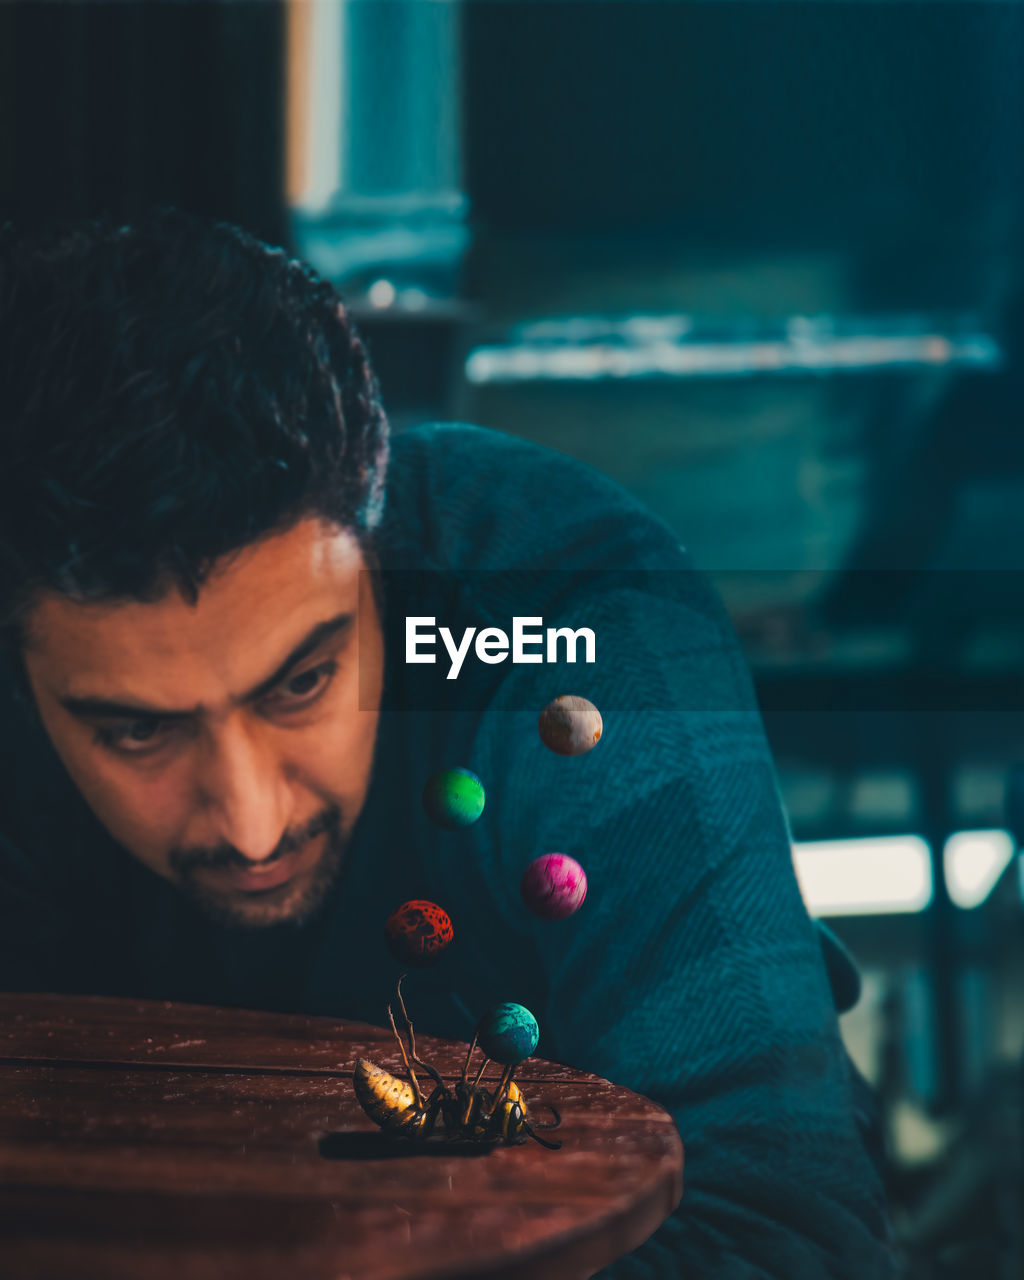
554	886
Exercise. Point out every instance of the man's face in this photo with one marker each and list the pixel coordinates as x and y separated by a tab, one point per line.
228	744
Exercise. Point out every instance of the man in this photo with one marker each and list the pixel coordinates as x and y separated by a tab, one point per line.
214	744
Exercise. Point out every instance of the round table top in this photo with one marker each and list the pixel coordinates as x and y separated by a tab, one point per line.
148	1140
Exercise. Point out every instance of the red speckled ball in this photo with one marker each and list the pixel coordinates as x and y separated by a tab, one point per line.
418	933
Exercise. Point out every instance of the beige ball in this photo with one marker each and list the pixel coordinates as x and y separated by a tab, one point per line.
570	725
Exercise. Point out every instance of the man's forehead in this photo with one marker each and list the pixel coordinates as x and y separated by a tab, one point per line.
257	599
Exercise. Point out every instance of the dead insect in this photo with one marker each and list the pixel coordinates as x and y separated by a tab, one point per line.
467	1111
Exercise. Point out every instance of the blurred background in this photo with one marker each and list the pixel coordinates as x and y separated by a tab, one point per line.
761	262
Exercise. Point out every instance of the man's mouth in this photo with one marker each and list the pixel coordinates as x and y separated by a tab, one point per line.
259	879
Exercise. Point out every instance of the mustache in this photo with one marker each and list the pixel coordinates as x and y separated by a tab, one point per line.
226	857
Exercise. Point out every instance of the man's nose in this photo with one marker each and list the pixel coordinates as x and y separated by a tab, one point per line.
245	791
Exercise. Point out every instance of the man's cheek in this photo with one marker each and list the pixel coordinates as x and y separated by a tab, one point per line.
143	817
336	758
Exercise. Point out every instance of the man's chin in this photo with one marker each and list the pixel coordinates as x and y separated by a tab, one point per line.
293	903
286	905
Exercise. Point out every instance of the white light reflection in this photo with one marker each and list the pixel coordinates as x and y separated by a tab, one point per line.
650	355
973	862
892	874
381	294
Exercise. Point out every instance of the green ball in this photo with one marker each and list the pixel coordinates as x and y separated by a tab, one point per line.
453	798
508	1034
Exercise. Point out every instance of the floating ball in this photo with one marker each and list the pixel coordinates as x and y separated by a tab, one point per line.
453	798
418	932
508	1034
570	725
554	886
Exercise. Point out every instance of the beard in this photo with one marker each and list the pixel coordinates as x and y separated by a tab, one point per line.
293	903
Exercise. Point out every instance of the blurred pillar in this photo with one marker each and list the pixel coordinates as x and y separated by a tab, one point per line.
945	958
375	164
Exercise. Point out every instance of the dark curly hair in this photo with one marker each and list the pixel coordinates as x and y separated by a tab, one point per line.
170	391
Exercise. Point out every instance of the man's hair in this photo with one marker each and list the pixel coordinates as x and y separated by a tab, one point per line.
170	391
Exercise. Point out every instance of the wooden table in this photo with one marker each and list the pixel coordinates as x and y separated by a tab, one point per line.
150	1141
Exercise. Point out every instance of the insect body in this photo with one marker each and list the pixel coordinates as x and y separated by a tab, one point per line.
513	1122
393	1103
467	1110
501	1115
397	1105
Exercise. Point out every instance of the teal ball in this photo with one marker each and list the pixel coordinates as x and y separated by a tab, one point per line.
453	798
508	1034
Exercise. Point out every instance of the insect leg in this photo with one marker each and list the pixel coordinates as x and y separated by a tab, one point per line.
408	1065
551	1146
506	1079
412	1037
491	1105
433	1107
465	1069
554	1112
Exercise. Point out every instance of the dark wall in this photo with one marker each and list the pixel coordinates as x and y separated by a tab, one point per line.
898	126
112	107
785	123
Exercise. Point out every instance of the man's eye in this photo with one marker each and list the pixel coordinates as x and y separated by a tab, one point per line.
143	730
135	737
306	683
304	688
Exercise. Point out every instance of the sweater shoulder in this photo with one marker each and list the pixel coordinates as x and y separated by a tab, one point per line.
464	496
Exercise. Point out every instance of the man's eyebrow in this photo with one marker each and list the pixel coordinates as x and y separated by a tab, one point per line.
105	708
321	632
